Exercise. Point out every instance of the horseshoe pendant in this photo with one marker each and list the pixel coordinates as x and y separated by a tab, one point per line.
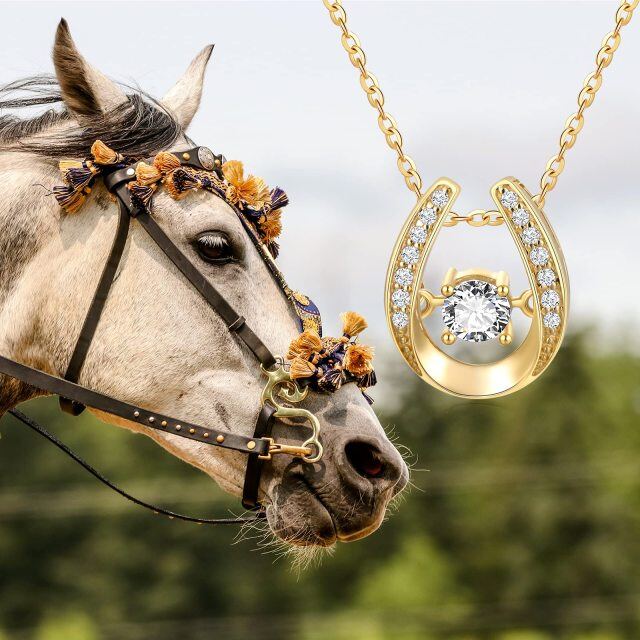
476	303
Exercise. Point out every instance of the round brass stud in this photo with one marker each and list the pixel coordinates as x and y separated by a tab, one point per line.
251	444
220	438
178	427
136	414
192	430
186	156
152	419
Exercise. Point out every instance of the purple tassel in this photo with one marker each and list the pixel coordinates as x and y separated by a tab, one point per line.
331	381
279	199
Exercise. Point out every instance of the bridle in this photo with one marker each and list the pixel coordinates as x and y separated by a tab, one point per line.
280	386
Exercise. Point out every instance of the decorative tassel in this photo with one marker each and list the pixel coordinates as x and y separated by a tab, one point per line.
78	177
179	182
301	368
368	380
332	380
271	225
141	194
305	345
65	165
273	248
147	174
68	198
102	154
166	162
279	199
358	360
353	324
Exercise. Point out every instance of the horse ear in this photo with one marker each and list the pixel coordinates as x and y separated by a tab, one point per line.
85	90
183	99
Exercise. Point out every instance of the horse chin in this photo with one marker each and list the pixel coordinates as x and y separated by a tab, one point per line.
298	516
304	516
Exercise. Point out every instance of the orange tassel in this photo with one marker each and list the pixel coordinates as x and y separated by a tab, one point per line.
103	154
305	345
272	225
353	324
301	368
147	174
358	360
166	162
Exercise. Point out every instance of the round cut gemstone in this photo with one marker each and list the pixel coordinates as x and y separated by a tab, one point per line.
428	216
418	235
400	298
439	197
509	199
539	256
475	312
520	217
530	236
410	255
551	320
400	320
550	299
404	277
546	277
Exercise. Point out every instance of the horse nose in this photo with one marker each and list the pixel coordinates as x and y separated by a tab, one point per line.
381	465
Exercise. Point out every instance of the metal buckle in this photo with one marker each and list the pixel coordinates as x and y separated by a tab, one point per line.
292	450
280	385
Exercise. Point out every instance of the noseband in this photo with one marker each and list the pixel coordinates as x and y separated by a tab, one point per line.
280	384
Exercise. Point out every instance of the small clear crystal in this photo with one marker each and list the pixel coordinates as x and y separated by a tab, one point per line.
428	216
400	319
404	277
439	197
400	298
546	277
509	199
550	299
539	256
520	217
551	320
530	236
418	235
410	255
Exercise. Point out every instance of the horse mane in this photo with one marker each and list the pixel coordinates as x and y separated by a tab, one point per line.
139	127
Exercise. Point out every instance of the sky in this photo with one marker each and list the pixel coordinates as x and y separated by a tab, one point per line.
480	90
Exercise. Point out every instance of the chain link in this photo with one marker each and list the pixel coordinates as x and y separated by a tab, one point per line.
389	127
370	86
477	218
587	95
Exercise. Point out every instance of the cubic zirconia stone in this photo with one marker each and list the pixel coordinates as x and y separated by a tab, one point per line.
546	277
418	235
439	197
400	298
410	255
475	312
551	320
530	236
509	199
428	216
404	277
400	320
539	256
520	217
549	299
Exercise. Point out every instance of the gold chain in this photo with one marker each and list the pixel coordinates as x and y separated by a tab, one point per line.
587	95
389	127
370	86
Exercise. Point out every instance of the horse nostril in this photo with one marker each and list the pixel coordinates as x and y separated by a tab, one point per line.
365	459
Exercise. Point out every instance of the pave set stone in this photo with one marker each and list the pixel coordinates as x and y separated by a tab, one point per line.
410	254
539	256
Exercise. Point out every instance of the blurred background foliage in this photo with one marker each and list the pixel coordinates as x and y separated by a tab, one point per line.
522	525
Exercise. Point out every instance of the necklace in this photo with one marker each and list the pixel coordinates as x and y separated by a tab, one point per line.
477	304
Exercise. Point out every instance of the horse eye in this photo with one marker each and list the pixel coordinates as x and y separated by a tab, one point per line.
214	247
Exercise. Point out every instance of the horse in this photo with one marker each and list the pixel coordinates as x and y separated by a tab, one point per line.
158	344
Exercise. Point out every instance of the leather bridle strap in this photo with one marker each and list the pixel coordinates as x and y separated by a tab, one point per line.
95	310
150	419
